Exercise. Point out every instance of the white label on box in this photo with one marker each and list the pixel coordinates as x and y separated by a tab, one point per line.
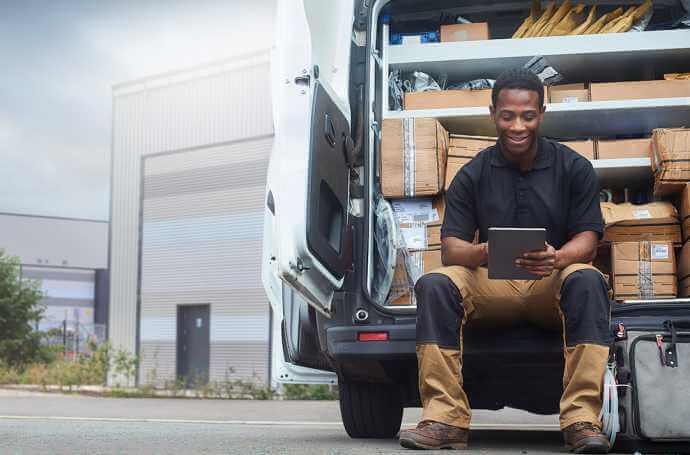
641	214
414	211
414	237
570	99
659	251
412	39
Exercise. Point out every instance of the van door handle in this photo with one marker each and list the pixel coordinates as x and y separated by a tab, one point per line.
304	79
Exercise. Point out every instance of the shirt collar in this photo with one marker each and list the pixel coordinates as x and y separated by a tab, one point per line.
544	159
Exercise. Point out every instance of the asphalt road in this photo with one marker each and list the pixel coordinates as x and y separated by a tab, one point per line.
34	423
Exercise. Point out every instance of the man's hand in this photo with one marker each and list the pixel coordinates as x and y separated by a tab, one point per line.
541	263
483	249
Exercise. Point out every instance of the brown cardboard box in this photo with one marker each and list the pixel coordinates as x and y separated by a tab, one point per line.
413	157
461	151
684	271
447	99
609	91
454	165
643	270
427	261
568	93
465	32
584	148
626	222
670	159
625	148
685	212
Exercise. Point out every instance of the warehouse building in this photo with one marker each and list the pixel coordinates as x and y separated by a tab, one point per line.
69	258
189	158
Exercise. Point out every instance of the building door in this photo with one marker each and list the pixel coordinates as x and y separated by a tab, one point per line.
193	343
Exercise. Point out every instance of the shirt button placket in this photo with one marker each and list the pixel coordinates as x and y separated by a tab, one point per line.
522	202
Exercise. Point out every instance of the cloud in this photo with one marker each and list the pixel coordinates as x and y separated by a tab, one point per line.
55	116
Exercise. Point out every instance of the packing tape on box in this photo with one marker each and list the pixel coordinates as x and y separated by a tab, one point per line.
644	273
409	157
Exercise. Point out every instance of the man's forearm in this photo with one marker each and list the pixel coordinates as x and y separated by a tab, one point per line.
581	249
459	252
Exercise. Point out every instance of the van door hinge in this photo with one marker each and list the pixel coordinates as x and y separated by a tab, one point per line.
377	57
376	128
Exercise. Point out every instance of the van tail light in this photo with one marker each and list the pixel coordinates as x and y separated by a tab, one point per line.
372	336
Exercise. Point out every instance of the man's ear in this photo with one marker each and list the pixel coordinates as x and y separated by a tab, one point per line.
492	112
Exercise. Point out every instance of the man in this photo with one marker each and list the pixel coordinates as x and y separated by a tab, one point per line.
522	181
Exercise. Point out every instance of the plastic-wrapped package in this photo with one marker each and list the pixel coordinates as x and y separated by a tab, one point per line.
476	84
396	89
422	82
391	250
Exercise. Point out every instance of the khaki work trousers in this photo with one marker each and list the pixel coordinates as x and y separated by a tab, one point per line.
506	301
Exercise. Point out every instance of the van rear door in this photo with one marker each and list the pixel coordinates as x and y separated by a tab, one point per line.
308	181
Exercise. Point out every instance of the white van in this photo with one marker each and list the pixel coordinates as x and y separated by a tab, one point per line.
324	259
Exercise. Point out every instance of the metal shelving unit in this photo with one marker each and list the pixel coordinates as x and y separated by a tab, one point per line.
611	57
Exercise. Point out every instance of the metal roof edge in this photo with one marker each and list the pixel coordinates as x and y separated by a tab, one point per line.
205	69
61	218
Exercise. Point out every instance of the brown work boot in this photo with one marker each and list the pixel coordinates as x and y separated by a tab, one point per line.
585	437
434	435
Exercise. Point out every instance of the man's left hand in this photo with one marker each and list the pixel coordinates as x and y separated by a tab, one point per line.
541	263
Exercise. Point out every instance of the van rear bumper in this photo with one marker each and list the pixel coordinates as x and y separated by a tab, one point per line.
343	344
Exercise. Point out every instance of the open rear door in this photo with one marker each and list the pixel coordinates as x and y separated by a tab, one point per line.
308	181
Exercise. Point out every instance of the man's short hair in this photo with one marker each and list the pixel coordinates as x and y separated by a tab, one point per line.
520	78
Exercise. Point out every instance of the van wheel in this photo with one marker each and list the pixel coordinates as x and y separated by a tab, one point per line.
370	410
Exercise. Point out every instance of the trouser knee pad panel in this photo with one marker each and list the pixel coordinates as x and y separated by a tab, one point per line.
586	308
439	311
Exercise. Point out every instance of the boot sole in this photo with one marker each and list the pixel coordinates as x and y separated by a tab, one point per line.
589	447
412	444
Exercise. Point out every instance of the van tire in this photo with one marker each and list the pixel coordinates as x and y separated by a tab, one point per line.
370	410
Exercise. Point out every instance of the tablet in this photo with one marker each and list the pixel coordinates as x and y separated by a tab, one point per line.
507	244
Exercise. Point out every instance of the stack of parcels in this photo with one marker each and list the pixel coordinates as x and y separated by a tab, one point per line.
670	160
657	221
461	150
413	157
643	270
419	221
684	257
569	19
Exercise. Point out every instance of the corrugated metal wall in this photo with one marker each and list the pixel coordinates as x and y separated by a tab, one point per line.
199	108
201	244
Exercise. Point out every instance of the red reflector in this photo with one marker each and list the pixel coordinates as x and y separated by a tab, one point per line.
372	336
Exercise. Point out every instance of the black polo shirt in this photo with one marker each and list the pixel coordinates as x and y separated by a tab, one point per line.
560	193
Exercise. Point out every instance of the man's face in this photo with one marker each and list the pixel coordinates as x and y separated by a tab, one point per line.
517	115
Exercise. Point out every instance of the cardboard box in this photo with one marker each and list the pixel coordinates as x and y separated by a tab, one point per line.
644	270
626	222
426	261
461	151
670	160
447	99
420	221
685	212
568	93
624	148
465	32
610	91
584	148
413	157
684	271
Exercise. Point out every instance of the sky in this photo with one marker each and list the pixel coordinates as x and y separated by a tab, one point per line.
60	60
